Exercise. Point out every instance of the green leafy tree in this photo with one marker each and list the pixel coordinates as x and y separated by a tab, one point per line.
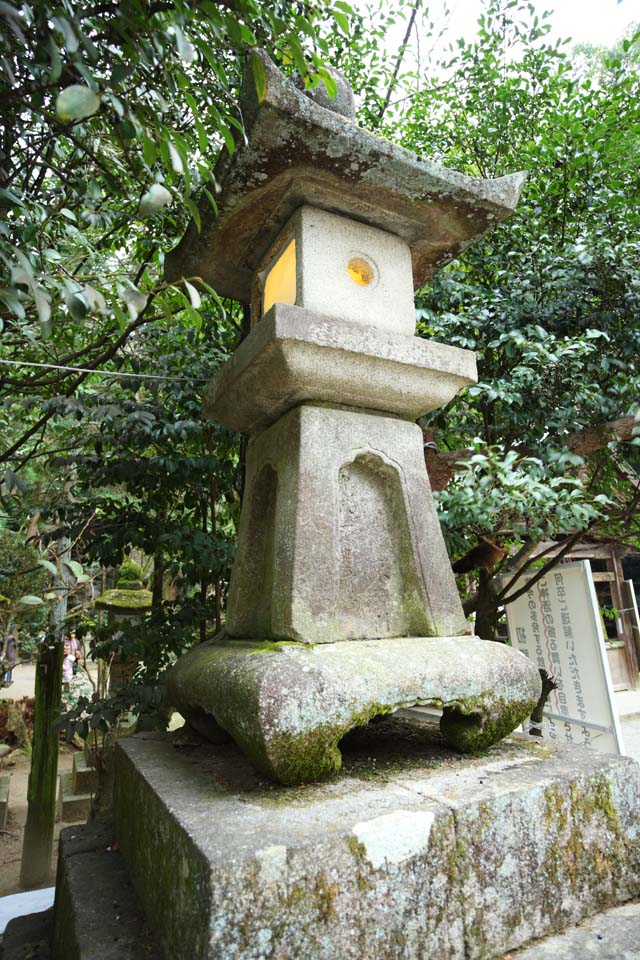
21	576
112	119
549	301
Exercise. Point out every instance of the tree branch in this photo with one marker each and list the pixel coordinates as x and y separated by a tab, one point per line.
442	464
140	320
401	53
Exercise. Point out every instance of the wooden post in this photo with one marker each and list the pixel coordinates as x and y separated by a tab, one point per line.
43	776
626	623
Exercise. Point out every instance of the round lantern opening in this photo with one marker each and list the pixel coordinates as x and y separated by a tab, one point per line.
361	271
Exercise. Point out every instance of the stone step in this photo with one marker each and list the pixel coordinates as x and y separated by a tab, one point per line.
72	807
85	776
28	937
97	915
612	935
5	784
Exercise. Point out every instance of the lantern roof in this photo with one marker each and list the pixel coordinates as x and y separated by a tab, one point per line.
121	600
299	151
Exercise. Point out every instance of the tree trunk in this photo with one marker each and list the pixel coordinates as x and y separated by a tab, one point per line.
204	583
157	584
487	614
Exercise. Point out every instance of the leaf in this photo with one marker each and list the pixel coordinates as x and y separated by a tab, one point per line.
77	305
259	76
95	298
186	50
228	139
329	83
48	565
194	296
134	299
22	277
195	213
76	102
176	159
342	20
13	482
65	28
56	61
29	600
75	567
154	200
149	149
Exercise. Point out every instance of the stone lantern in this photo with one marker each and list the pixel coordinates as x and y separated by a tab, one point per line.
342	602
128	603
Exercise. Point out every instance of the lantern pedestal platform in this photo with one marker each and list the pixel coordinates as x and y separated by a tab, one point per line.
295	355
288	705
413	852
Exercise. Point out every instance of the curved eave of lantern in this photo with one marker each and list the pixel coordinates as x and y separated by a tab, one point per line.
296	152
125	601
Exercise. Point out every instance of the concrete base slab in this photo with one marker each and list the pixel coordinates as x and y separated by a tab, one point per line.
413	852
5	784
84	775
28	937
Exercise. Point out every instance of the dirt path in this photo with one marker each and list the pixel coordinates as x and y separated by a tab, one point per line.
11	839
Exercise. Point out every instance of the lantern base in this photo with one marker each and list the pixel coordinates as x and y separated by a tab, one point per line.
287	705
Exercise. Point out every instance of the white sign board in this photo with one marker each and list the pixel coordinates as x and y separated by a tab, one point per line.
557	625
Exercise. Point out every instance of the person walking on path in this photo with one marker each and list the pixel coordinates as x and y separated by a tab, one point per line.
10	655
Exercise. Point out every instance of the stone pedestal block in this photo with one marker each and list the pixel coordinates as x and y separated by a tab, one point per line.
339	537
73	804
85	775
97	915
288	706
414	853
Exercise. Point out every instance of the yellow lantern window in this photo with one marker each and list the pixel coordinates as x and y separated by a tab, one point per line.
280	283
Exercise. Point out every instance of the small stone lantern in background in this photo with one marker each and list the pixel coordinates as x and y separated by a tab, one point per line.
129	602
342	602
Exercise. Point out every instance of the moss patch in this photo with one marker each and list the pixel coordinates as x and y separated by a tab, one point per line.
476	724
125	600
569	817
